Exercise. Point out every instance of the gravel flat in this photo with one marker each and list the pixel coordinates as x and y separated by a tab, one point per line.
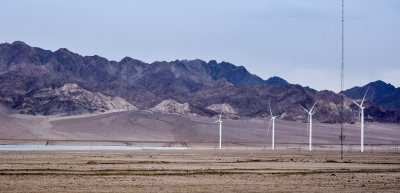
198	171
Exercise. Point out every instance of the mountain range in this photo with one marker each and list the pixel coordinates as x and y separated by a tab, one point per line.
380	92
32	79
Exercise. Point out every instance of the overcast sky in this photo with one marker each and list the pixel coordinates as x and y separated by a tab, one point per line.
298	40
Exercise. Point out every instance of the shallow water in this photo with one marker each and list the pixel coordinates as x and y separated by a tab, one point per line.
81	147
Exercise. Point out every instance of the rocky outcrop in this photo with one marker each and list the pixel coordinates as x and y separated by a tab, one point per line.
226	110
70	99
171	106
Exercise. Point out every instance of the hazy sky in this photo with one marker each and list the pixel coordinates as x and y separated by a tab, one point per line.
298	40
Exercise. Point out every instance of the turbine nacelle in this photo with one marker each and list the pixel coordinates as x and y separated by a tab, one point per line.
272	117
310	112
359	105
219	120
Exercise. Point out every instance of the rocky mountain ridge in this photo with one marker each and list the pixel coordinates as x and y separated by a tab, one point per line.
379	92
26	70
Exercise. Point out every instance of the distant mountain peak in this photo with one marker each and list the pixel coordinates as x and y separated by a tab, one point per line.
276	81
380	92
127	59
212	62
377	89
380	83
19	43
63	50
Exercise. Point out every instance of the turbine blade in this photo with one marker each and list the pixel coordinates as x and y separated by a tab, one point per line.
304	108
356	103
364	97
313	106
269	125
270	110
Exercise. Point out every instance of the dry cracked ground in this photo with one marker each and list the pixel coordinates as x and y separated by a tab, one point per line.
199	170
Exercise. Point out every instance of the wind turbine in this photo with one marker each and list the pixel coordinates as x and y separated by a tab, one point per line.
362	119
220	129
272	120
310	114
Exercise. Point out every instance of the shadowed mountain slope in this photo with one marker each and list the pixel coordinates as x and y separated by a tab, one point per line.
380	92
26	71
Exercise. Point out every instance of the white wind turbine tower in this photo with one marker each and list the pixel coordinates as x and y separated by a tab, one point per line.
362	119
310	114
272	120
220	129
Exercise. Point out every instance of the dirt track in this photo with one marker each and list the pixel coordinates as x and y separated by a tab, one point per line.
198	171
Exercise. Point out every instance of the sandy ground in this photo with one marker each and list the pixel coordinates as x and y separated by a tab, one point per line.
147	126
246	163
199	171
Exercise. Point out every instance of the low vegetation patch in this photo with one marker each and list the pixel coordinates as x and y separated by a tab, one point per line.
91	162
331	161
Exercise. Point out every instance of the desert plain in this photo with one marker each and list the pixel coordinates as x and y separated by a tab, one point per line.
245	163
199	170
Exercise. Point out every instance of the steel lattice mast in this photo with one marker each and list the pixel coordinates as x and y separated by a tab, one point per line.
341	136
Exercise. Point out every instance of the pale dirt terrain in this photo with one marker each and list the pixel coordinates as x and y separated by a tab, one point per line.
199	171
147	126
246	163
